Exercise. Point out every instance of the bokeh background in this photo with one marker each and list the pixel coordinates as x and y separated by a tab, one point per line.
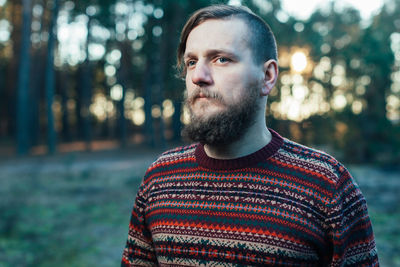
89	97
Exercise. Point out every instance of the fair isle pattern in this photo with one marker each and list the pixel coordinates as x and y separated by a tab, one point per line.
284	205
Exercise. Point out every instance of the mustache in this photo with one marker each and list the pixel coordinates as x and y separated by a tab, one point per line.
190	98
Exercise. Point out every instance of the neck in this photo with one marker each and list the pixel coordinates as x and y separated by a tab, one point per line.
255	138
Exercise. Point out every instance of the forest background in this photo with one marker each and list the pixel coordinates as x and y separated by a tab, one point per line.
89	97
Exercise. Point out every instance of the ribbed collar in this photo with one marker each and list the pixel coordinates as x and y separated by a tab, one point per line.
245	161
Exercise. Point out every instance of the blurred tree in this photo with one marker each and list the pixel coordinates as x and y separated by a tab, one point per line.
124	73
123	77
23	81
13	11
39	53
95	12
333	37
343	95
378	62
49	74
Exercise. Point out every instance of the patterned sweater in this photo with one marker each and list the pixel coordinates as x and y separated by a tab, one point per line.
284	205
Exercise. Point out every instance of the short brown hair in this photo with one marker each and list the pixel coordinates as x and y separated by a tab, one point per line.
262	40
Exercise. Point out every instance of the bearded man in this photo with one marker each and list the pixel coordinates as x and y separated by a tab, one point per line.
242	195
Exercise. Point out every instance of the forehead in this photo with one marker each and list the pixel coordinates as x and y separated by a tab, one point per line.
220	34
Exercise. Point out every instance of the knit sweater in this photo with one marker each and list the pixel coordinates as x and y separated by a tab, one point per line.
283	205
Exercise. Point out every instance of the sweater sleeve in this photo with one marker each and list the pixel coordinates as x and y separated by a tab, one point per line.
350	237
139	250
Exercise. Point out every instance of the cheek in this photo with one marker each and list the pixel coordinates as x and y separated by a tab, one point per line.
187	80
232	85
189	85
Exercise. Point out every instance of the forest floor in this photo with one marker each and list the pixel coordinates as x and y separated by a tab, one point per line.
73	209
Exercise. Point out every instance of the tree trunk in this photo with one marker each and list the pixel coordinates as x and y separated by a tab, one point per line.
159	88
3	103
178	13
148	102
123	76
12	69
23	81
49	80
63	85
176	120
87	92
37	83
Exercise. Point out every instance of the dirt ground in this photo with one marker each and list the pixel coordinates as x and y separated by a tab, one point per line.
73	209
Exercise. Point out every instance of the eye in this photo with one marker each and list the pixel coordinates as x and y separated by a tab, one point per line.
190	63
223	60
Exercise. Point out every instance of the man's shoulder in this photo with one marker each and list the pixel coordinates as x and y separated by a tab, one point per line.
311	160
306	152
175	155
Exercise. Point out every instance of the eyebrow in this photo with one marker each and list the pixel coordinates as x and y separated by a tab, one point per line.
211	53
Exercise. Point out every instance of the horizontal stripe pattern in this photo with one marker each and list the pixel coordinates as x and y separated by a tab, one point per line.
289	205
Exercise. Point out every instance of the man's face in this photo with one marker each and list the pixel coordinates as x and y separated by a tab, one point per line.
223	83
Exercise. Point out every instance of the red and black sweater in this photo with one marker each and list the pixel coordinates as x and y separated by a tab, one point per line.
284	205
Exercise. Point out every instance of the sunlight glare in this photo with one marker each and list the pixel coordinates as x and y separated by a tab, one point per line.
110	70
4	30
235	2
113	57
299	61
356	107
393	108
116	92
96	51
185	117
294	111
337	80
156	111
138	103
158	13
99	107
299	92
303	12
339	102
168	108
138	117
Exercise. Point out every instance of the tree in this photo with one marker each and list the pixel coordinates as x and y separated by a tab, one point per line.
23	81
49	85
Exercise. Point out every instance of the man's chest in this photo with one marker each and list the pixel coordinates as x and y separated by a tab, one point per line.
237	218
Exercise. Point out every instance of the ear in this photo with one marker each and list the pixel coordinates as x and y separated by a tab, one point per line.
270	76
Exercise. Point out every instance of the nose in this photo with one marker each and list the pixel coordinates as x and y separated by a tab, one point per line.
201	74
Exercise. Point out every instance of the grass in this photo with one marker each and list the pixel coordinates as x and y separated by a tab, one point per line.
73	215
381	189
73	210
387	233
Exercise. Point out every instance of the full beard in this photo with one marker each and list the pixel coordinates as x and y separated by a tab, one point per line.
224	127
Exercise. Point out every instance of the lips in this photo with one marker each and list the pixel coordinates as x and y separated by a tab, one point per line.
198	96
201	93
201	97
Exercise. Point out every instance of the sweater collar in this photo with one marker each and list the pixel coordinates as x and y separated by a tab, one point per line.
246	161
